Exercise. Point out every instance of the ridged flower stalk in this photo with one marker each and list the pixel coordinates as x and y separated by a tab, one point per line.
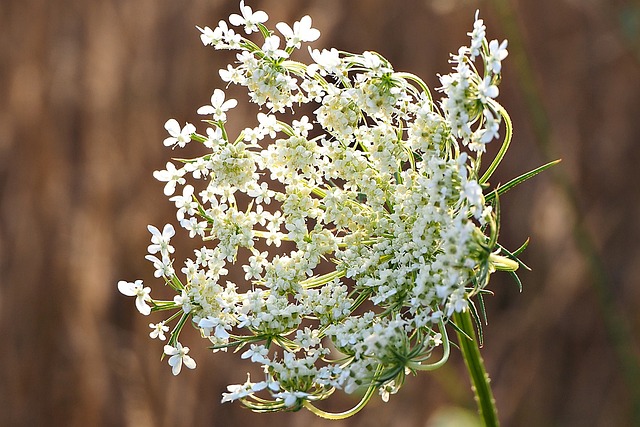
480	382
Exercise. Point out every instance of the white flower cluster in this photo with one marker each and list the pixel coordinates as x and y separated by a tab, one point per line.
366	226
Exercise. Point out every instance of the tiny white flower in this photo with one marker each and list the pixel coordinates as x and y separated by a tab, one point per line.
215	324
487	90
491	128
387	390
218	36
160	241
231	75
271	48
194	227
163	266
260	193
301	32
302	126
218	106
290	397
208	36
326	62
268	124
457	302
274	238
184	301
238	391
136	289
185	203
171	176
249	18
477	35
215	137
158	331
178	357
497	53
179	137
257	354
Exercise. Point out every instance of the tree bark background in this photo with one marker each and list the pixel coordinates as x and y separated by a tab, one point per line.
85	88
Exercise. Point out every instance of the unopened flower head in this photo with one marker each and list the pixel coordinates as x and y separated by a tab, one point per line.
377	198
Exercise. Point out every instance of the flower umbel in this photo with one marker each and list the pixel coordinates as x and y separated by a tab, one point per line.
388	190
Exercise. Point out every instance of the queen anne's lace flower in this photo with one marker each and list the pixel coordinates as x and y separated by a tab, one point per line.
171	176
218	106
249	18
179	136
497	53
158	331
160	241
179	357
301	32
136	289
367	226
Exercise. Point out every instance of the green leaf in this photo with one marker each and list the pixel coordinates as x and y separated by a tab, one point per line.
517	279
477	320
459	330
521	249
514	255
519	180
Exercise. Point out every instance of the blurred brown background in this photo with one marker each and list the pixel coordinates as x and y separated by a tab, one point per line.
85	88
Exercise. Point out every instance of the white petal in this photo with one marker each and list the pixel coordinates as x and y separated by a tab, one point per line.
274	386
189	129
285	29
260	16
206	110
153	230
170	188
305	21
309	34
217	98
221	332
142	306
207	322
236	20
259	386
168	231
126	288
175	369
231	103
189	362
290	400
170	350
312	35
173	127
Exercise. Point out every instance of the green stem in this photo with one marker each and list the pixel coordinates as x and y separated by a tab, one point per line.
346	414
475	366
505	143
